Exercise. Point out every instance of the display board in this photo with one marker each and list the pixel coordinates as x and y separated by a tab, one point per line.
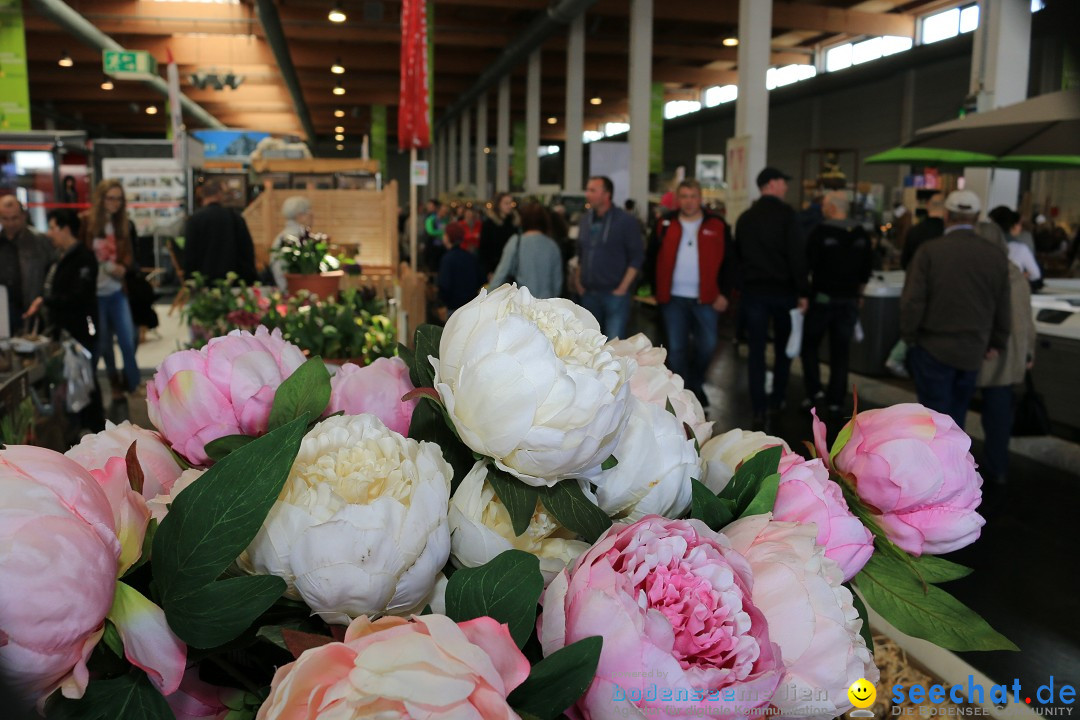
612	159
155	188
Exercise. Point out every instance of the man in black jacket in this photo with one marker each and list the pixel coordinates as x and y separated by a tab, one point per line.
217	240
772	263
841	259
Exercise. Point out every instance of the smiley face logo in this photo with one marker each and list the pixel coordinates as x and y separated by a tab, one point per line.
862	693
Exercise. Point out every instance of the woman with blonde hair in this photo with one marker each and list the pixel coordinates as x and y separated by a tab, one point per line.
107	230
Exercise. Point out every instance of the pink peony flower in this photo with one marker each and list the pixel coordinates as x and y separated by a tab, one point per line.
912	467
428	667
807	495
672	600
197	700
375	389
225	388
57	570
67	534
810	615
160	469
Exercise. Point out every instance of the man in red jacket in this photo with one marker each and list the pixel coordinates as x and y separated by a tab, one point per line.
692	284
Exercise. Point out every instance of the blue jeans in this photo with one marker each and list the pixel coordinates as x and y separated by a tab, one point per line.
941	387
683	318
997	421
114	316
759	310
611	311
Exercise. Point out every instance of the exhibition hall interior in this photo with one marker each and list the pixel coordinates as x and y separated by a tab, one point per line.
846	229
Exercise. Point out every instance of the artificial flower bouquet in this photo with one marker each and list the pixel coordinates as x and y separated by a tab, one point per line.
519	519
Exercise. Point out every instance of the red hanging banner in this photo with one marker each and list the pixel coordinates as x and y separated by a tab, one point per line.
413	128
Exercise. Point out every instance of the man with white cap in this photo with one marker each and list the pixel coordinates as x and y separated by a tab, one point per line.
954	311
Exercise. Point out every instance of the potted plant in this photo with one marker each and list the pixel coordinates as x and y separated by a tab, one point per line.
351	328
308	266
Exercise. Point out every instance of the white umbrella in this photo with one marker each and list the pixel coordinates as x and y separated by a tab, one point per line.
1044	125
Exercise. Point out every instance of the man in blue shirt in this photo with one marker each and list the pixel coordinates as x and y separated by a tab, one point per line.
611	251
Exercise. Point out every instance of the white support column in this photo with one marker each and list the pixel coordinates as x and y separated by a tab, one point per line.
575	105
502	138
439	171
999	76
752	105
452	158
640	82
532	124
481	143
465	127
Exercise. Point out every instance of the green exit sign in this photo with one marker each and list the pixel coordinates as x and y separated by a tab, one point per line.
131	64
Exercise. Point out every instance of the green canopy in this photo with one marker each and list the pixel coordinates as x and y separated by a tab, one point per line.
938	157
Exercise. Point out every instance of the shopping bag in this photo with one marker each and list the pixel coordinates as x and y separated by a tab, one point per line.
794	342
1031	416
78	376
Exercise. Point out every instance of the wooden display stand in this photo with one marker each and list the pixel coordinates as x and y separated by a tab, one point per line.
354	219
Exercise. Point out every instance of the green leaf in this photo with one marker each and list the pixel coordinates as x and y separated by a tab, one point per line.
216	613
128	697
506	589
611	462
428	338
216	450
747	481
932	614
305	392
112	639
708	508
860	607
765	498
216	518
937	570
518	498
429	423
669	407
557	681
841	440
574	511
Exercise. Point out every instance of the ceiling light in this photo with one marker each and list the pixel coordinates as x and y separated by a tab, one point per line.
337	15
340	147
339	113
337	68
339	129
730	41
595	100
552	120
487	151
339	89
107	83
339	137
151	109
65	60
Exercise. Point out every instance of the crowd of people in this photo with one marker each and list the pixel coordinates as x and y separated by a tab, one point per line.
965	308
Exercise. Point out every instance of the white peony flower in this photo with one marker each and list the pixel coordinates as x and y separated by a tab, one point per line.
722	455
810	614
480	529
655	464
529	384
360	526
655	384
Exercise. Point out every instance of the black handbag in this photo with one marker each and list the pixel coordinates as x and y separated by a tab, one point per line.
1031	416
